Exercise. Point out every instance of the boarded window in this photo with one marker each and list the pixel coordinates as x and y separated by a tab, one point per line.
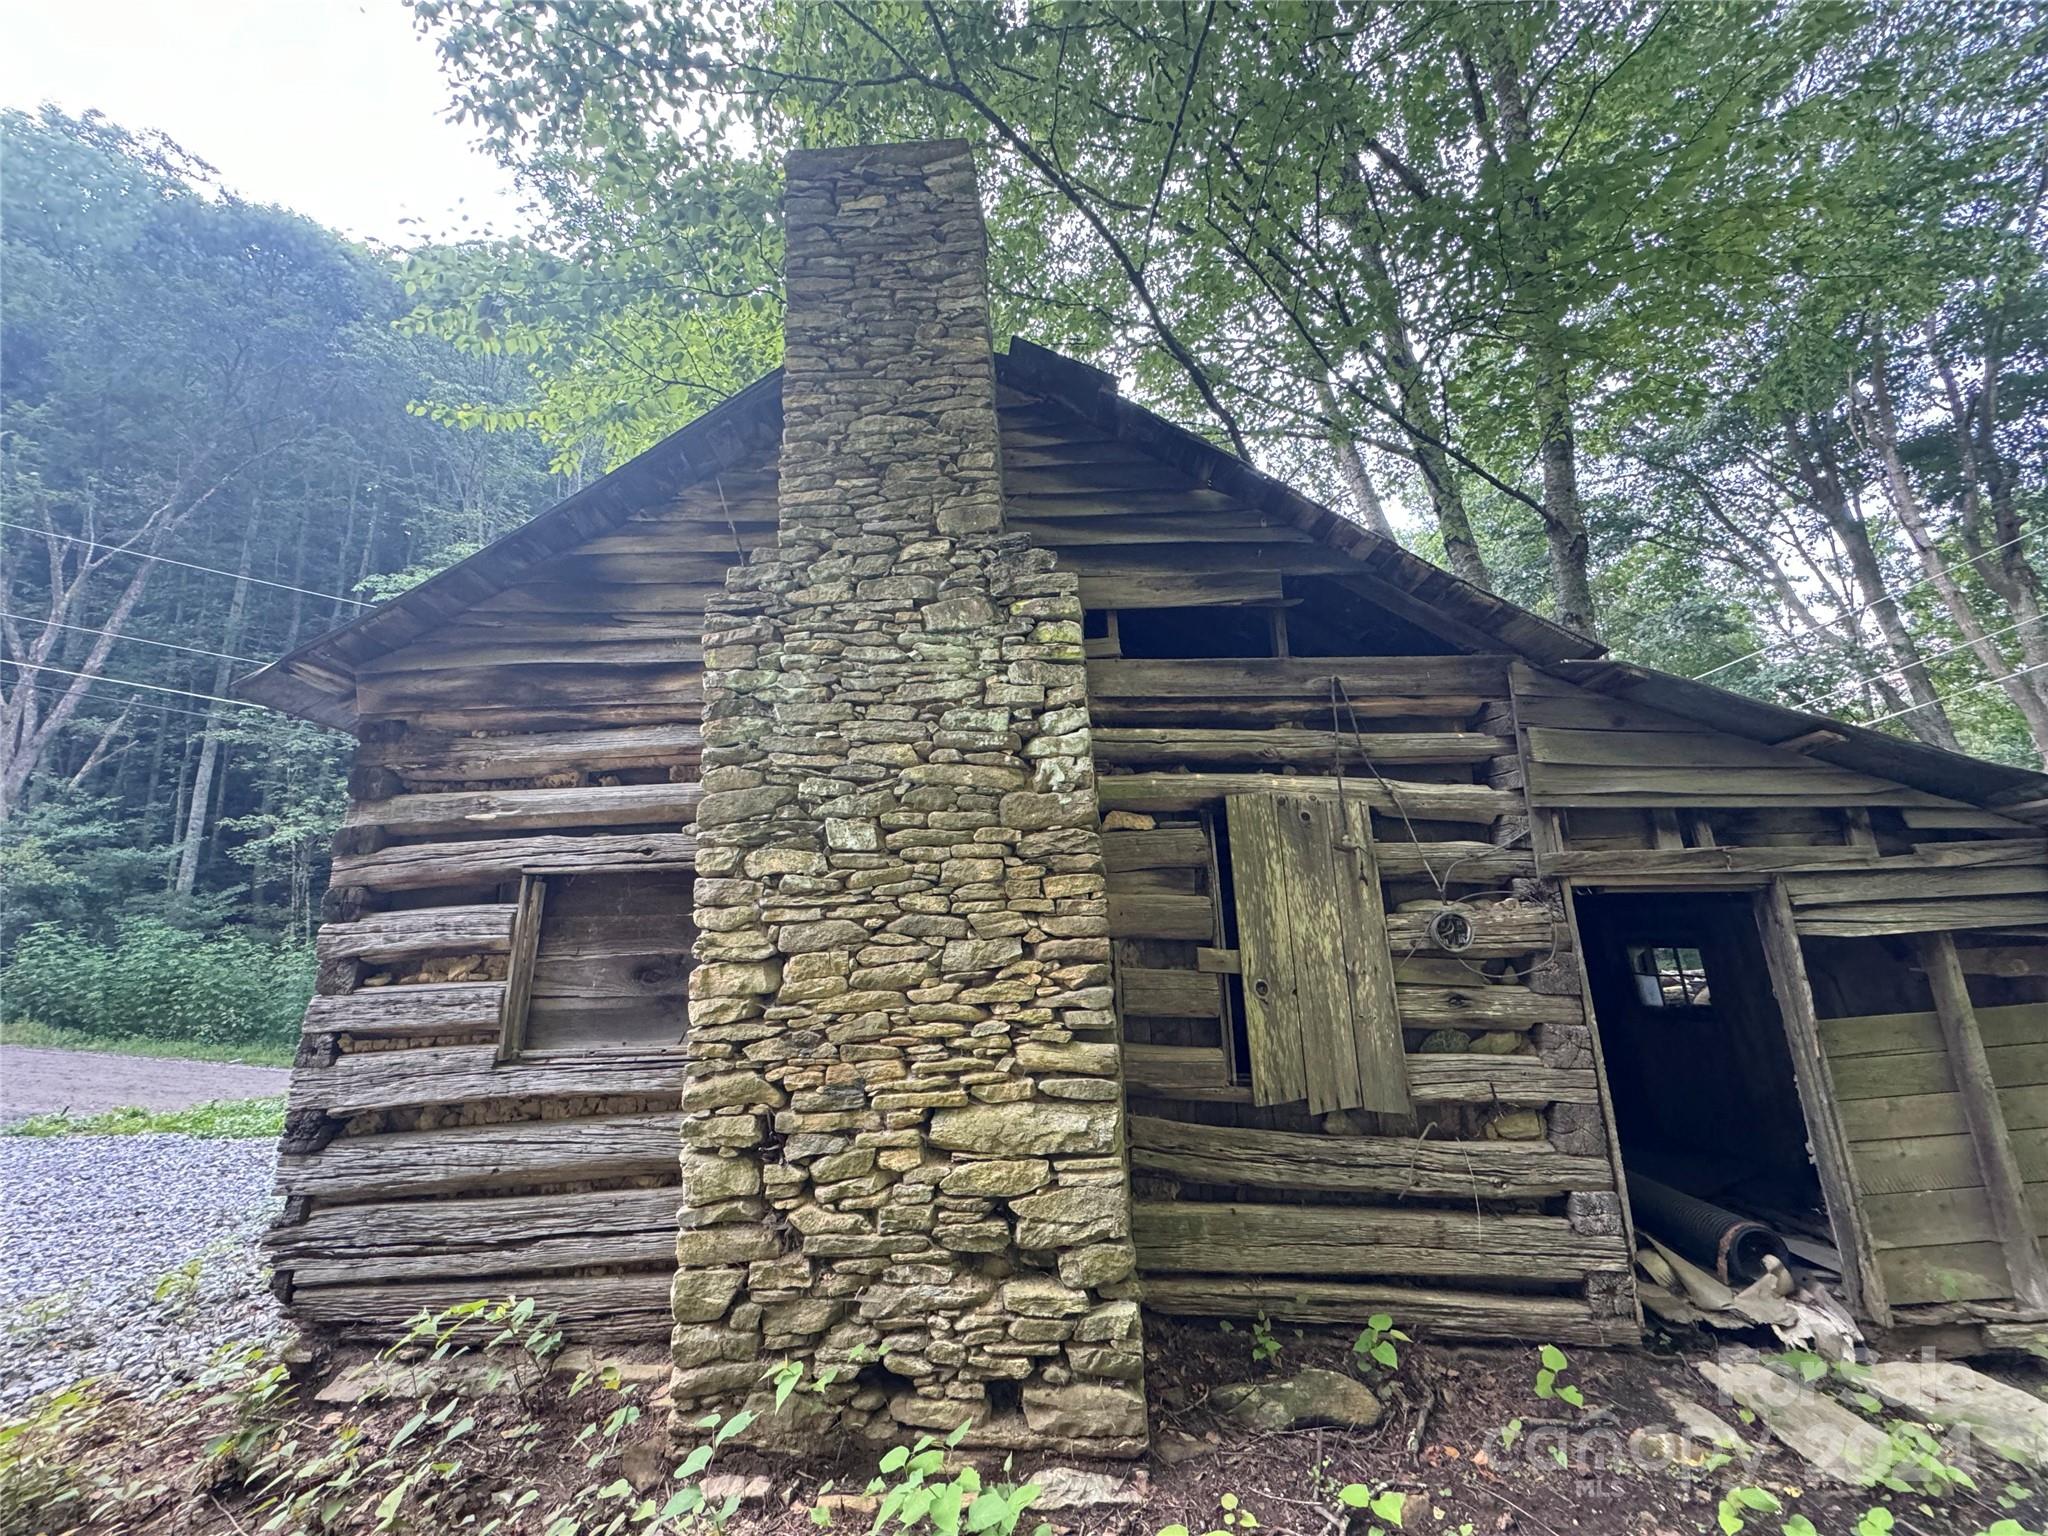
601	962
1320	1012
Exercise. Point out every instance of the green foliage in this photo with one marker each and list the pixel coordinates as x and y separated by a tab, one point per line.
154	980
221	1120
1551	1366
29	1032
1385	1505
1375	1343
1738	1501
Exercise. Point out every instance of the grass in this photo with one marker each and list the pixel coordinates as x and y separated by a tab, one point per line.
222	1120
28	1032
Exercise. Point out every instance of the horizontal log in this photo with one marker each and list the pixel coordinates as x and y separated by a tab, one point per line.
1169	994
476	1239
1190	1237
535	687
1153	792
1360	1165
1571	784
1285	746
1167	589
428	1009
1497	931
382	938
424	866
429	758
529	810
1485	1007
485	1156
1423	1313
627	1309
360	1081
1300	677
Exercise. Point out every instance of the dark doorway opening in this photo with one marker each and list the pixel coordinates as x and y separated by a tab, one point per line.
1705	1100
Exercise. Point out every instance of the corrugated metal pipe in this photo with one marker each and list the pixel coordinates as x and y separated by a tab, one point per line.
1731	1245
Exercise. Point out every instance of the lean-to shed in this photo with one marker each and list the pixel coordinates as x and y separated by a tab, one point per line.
989	858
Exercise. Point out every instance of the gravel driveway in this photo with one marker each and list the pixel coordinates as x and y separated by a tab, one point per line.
89	1225
35	1081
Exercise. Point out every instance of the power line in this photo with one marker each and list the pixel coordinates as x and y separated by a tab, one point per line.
168	709
1851	613
1960	645
127	682
1944	698
169	645
211	570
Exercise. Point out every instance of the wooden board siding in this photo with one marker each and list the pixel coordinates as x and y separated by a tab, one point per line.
1413	1203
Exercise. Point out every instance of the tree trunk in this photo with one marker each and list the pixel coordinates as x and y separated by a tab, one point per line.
1351	465
210	744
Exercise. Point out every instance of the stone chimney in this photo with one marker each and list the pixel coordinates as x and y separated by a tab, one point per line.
903	1159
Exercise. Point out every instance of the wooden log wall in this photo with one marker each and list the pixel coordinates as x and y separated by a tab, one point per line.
552	728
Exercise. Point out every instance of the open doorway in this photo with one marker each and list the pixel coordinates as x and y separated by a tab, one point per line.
1705	1102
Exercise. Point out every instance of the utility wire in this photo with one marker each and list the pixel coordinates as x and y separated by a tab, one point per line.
1944	698
168	709
1851	613
211	570
1960	645
128	682
169	645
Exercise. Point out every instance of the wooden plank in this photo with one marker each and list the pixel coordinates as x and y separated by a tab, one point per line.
1948	1272
1364	1165
628	1308
529	810
1885	1033
1877	919
1452	862
1158	993
1154	792
432	1008
1917	885
1314	885
1198	1238
1485	1007
485	1156
361	1081
1177	845
1374	1007
2004	960
517	1234
1266	948
1928	1217
1679	863
1812	1074
1428	1314
533	895
1915	1072
1285	746
1154	916
1303	677
1171	1068
424	866
1518	1080
1647	749
1172	589
1840	1446
1574	784
1939	1113
381	938
2003	1181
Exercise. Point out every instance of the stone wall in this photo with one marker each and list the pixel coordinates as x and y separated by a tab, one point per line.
903	1145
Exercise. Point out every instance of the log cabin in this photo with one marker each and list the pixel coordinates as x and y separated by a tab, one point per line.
932	858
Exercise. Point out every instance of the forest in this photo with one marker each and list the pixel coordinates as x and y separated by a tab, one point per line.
1718	332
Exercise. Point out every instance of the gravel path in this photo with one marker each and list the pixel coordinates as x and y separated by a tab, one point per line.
89	1226
37	1081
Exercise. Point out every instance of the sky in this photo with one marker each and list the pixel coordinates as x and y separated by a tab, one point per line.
335	108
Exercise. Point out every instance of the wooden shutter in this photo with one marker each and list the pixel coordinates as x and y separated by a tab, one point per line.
1320	1013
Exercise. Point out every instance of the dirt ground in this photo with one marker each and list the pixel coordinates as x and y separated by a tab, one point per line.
1447	1443
38	1081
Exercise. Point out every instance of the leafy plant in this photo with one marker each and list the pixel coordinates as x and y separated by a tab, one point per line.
1736	1500
1554	1363
1376	1342
917	1495
1384	1505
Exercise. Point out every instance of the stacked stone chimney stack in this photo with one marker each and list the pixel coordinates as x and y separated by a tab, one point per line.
903	1144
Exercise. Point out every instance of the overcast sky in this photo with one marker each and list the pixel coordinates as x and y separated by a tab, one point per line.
335	108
